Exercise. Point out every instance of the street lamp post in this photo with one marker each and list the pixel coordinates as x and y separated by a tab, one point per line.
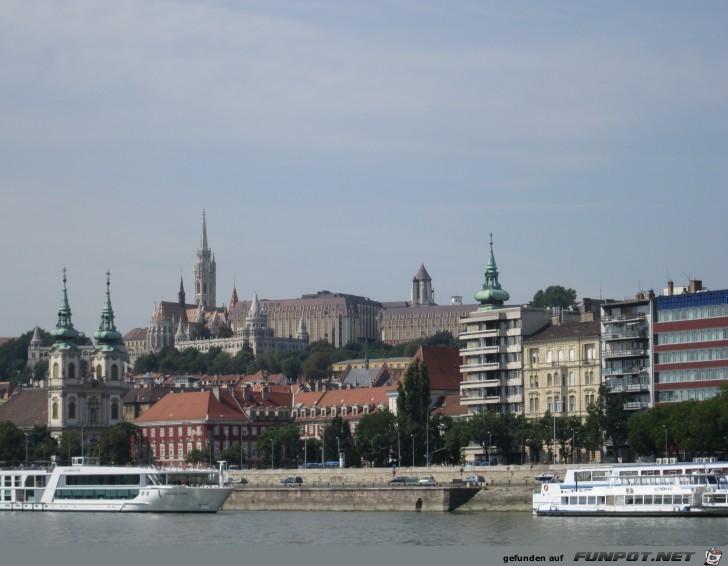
413	450
272	449
665	429
26	449
305	452
573	448
399	451
427	443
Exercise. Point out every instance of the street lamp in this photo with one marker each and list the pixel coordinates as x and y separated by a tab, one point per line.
573	448
26	449
399	451
427	442
413	450
272	448
665	428
305	450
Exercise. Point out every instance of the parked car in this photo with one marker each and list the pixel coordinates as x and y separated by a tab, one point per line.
427	480
475	480
292	480
404	480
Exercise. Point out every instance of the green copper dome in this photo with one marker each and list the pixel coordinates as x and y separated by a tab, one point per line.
64	332
107	335
491	296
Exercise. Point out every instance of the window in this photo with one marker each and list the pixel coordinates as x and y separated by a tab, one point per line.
557	404
115	411
571	354
561	356
572	403
549	356
548	381
72	409
55	409
572	379
550	404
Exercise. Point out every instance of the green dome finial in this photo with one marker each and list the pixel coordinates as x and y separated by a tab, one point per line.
64	332
491	296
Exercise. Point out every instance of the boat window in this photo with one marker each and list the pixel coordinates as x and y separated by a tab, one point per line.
564	500
629	499
582	500
599	474
657	500
624	473
583	476
638	500
591	500
619	500
573	500
648	500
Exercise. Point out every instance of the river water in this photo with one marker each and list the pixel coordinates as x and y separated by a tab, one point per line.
294	528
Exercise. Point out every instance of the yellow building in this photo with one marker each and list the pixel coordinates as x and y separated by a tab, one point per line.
561	369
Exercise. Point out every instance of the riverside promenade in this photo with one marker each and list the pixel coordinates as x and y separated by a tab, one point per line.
506	488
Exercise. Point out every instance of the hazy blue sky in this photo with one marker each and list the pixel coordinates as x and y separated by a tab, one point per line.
337	145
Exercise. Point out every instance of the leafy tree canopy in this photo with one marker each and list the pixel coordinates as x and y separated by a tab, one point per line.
554	296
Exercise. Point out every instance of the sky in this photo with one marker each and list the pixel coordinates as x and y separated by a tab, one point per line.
340	144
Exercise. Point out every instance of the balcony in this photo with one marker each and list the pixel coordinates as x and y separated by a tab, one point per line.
636	405
489	400
628	387
478	334
480	366
626	353
626	317
625	335
481	350
479	384
628	370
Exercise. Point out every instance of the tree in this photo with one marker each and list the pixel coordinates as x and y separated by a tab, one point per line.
114	446
42	444
12	443
554	296
376	438
413	410
317	366
196	456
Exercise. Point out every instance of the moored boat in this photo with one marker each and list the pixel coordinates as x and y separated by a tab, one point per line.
86	486
648	490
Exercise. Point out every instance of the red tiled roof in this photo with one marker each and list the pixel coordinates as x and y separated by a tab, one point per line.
443	367
192	406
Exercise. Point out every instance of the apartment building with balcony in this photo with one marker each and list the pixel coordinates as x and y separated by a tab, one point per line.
492	370
626	343
690	343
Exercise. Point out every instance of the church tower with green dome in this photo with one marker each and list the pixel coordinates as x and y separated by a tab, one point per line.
110	354
85	395
491	296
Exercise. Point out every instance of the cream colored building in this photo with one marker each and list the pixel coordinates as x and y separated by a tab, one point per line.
562	369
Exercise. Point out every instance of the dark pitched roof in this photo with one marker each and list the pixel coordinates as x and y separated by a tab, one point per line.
566	331
26	408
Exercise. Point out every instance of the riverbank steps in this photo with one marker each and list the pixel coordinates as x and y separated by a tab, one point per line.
506	488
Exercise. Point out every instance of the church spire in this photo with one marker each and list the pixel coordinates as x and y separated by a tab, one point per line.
64	332
491	296
181	294
107	334
203	236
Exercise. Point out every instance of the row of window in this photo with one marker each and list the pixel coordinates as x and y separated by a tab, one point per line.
679	376
693	313
625	500
197	431
587	379
692	336
701	355
700	394
95	494
93	410
558	404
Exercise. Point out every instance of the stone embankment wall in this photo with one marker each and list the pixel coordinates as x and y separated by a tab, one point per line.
507	488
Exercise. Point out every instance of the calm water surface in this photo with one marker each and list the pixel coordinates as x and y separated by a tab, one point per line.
235	528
